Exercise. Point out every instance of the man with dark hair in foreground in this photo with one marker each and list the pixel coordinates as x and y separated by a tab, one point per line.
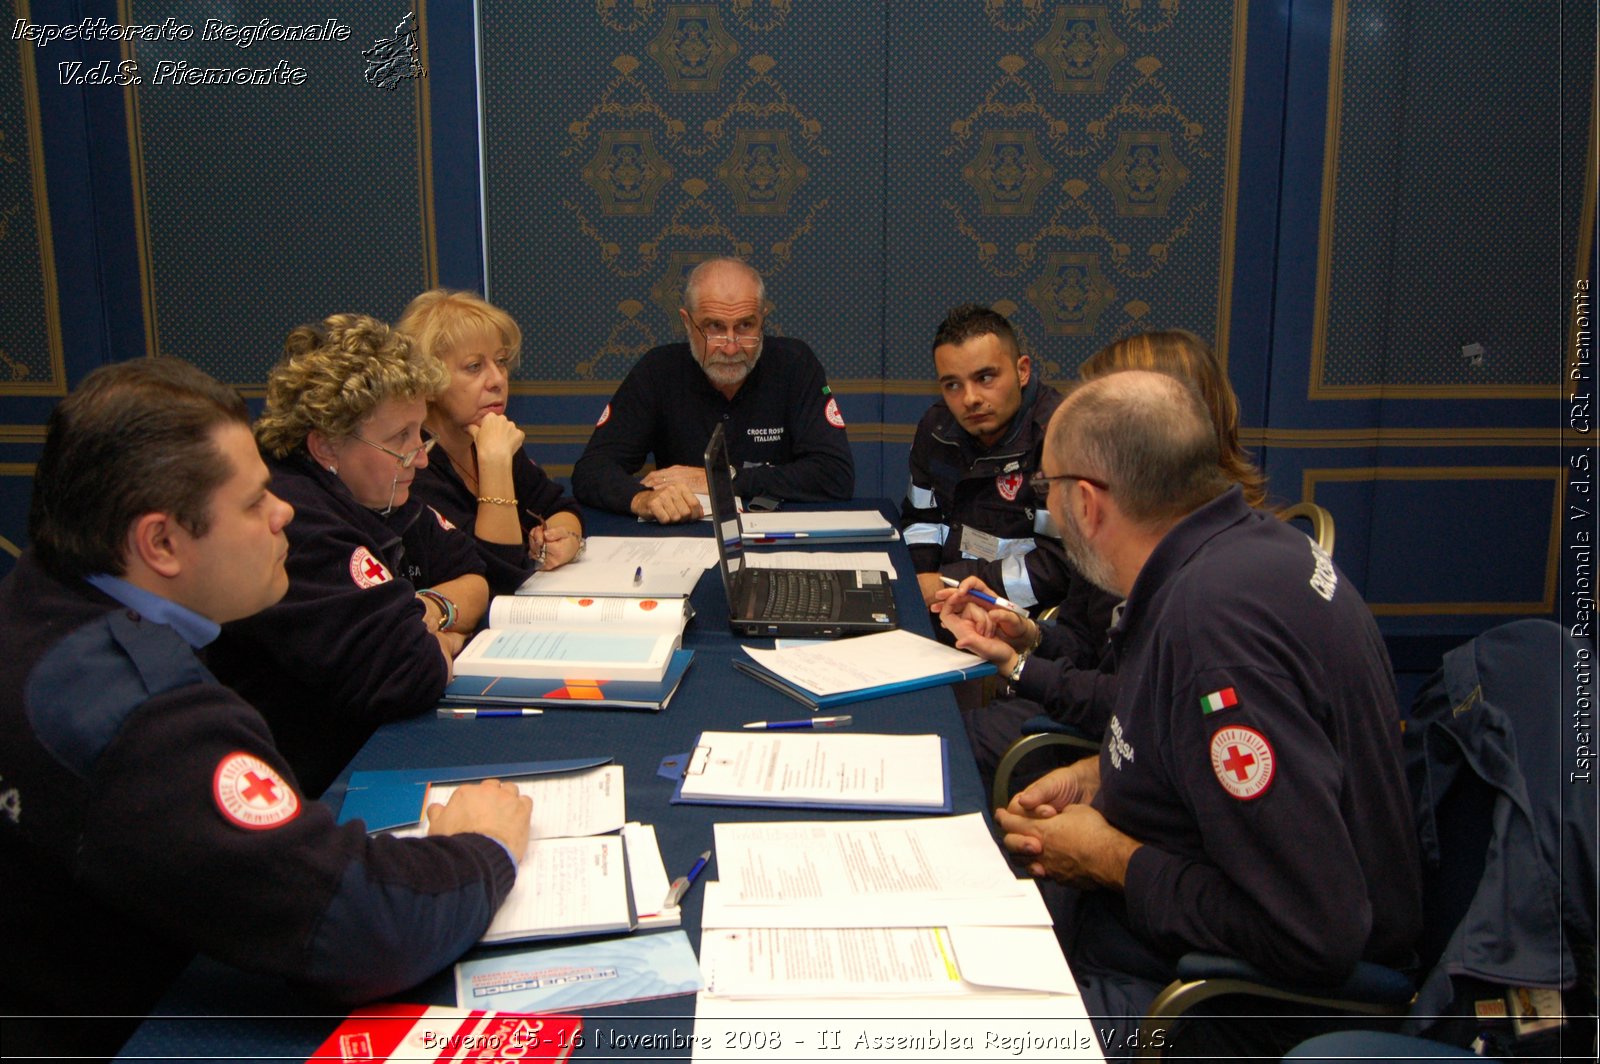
1248	798
144	811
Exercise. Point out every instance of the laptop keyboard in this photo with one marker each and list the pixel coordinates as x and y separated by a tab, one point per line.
798	595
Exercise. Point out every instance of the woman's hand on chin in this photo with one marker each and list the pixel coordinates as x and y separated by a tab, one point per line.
497	439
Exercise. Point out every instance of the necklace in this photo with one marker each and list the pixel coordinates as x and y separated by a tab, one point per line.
469	478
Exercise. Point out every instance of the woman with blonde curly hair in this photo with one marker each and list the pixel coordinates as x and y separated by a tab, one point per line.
1184	355
480	476
382	588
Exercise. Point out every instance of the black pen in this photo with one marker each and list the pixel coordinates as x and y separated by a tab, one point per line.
681	885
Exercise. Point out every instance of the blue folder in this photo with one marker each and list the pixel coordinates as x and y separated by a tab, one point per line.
393	798
861	694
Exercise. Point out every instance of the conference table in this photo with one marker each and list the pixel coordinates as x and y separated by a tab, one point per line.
219	1012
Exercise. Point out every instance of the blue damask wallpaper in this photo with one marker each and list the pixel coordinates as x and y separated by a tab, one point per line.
1072	163
260	207
626	142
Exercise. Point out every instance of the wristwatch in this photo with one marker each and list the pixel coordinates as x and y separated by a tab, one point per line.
1015	675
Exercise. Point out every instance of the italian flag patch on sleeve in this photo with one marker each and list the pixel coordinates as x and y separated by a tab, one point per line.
1223	699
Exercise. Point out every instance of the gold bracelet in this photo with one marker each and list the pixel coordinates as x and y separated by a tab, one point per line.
495	500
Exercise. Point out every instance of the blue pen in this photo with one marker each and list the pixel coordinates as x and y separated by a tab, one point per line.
681	885
809	722
994	600
767	537
465	713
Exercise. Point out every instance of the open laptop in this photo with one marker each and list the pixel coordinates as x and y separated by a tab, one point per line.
793	603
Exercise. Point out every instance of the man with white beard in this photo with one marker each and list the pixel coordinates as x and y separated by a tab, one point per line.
786	435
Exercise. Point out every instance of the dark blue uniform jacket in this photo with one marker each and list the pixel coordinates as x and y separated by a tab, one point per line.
786	435
118	855
1255	751
346	650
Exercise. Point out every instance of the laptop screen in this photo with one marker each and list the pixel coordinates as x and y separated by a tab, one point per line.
724	510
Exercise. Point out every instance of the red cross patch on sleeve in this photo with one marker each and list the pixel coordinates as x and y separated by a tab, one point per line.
605	415
251	793
444	522
366	570
1243	761
835	418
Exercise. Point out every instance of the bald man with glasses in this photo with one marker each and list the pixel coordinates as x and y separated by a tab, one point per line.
786	435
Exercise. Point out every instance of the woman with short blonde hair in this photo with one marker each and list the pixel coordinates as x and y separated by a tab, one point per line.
382	588
482	478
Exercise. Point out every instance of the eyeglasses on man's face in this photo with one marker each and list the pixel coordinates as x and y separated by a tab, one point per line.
1041	483
746	336
405	458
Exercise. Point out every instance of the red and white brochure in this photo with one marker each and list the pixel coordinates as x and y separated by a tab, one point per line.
380	1033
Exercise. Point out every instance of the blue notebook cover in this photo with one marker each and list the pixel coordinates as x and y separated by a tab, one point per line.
577	694
393	798
821	702
609	972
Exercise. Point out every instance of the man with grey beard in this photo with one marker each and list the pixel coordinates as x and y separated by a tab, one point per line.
1248	798
786	435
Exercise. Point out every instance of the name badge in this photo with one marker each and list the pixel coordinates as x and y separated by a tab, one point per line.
979	544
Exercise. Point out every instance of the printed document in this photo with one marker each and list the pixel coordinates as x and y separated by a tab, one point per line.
566	887
843	862
817	767
566	805
867	661
721	909
640	566
882	962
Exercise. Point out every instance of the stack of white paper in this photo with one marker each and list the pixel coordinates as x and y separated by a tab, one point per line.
639	566
891	939
585	869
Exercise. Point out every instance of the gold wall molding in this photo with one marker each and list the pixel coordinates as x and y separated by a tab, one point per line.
24	434
1230	186
1395	437
1310	478
1330	176
57	384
